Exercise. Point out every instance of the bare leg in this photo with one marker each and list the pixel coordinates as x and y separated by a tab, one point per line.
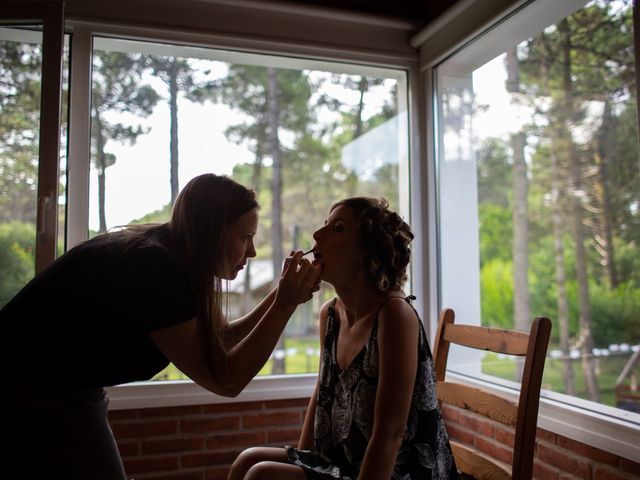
263	463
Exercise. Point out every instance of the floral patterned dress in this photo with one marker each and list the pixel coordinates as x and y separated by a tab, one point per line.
344	416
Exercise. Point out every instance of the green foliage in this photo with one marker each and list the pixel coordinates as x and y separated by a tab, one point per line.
117	88
496	283
628	260
553	377
496	232
615	314
158	216
17	262
20	66
494	173
583	68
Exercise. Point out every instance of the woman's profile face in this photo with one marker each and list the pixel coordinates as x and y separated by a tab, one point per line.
337	247
239	241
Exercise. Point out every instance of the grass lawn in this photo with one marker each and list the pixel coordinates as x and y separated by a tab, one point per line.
608	369
297	360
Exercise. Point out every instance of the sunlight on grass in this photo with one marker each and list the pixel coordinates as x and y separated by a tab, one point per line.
608	369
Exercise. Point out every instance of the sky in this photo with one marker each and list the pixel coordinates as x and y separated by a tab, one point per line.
138	183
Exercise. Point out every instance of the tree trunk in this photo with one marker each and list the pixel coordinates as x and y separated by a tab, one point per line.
363	86
605	239
276	198
101	164
520	246
173	108
247	299
586	337
561	280
558	234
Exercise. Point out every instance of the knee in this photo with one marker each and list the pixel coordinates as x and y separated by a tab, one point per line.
260	471
247	459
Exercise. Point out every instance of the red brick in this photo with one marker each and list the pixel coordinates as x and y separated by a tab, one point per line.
271	418
233	407
116	415
194	475
564	460
172	445
504	435
171	411
546	436
145	429
461	434
235	440
217	473
283	437
543	471
567	476
208	459
477	424
493	449
288	403
536	451
209	425
128	449
629	466
604	473
588	451
158	464
449	413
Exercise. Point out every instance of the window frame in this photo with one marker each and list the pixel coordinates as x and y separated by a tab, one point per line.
454	28
50	15
186	392
608	428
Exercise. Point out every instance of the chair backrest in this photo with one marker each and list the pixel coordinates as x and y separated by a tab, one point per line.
522	416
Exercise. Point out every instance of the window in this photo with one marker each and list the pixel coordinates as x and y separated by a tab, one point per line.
538	194
21	82
162	114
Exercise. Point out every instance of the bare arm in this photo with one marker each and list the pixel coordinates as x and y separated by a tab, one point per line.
182	343
398	348
237	329
306	436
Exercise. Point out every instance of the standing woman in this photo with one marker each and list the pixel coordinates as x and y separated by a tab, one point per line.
374	414
118	308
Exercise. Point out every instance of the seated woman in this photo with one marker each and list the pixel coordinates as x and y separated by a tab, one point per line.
374	412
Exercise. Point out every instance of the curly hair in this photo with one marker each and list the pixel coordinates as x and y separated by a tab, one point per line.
385	239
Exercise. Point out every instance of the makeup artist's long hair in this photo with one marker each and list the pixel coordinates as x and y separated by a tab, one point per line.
196	239
204	209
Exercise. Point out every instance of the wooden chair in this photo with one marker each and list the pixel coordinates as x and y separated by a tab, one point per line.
522	416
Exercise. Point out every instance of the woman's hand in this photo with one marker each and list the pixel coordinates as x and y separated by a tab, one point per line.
299	280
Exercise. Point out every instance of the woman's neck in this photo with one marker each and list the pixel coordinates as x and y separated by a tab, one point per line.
359	299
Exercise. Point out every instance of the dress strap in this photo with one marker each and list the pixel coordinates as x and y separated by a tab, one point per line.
408	299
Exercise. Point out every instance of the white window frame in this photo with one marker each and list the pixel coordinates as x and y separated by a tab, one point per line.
607	428
602	427
272	387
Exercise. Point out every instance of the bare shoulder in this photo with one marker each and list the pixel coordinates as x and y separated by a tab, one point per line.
397	313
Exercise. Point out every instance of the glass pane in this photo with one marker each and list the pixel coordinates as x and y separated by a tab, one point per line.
20	80
540	194
163	114
20	74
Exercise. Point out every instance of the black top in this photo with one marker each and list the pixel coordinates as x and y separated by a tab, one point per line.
345	408
85	320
